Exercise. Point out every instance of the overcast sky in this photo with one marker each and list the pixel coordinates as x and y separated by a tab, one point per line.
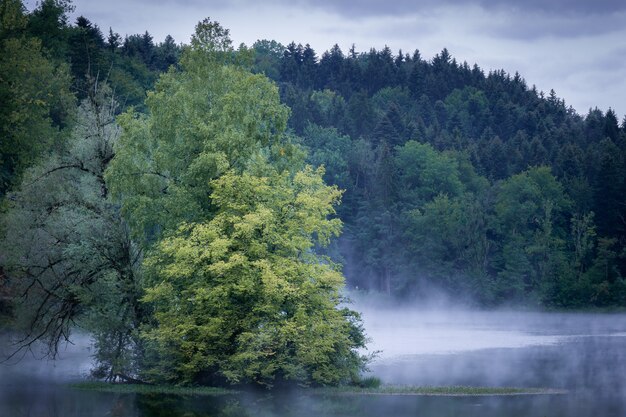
576	47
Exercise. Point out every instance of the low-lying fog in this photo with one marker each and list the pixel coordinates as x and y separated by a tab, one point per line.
584	354
504	348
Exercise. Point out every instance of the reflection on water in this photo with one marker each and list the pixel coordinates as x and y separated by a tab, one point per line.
71	403
584	354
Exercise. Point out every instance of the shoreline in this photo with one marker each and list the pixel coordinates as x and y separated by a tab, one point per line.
425	391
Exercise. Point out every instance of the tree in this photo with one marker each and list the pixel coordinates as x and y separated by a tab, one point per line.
330	149
113	40
308	68
243	296
212	188
611	125
208	117
267	58
34	94
449	242
86	44
67	251
361	114
424	173
608	187
531	209
166	54
49	23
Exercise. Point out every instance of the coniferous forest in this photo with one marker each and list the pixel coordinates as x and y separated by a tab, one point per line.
196	205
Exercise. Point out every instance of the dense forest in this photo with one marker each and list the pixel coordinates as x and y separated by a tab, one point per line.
475	184
181	202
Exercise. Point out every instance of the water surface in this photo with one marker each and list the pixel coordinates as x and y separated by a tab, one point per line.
584	354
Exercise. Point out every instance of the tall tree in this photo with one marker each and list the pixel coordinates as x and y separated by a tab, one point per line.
532	212
243	297
49	22
212	187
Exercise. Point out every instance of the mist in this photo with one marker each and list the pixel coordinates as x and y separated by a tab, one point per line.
444	345
581	355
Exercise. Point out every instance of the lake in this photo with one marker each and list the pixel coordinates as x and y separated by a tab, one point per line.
583	354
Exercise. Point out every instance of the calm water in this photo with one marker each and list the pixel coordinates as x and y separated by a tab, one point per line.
584	354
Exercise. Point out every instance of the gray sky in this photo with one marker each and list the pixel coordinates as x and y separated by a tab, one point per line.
576	47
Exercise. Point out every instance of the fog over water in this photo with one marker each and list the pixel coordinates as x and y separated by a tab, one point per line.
584	354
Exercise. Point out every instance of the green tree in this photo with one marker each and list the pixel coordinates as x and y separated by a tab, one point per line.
167	54
86	45
531	209
34	96
212	186
449	240
608	187
49	23
425	173
328	148
243	296
267	57
210	116
603	283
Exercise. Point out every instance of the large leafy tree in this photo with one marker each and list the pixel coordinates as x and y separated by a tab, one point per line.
213	188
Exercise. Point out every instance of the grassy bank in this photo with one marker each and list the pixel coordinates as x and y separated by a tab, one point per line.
441	391
151	389
382	390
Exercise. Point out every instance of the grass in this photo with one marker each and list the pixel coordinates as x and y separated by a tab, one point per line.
151	389
450	391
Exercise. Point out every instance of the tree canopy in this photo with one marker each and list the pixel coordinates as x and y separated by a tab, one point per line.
217	194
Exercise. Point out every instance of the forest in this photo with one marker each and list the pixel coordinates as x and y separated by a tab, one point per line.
195	206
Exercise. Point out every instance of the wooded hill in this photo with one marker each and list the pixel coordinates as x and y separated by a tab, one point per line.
470	182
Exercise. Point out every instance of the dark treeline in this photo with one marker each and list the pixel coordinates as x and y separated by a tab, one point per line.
47	64
470	182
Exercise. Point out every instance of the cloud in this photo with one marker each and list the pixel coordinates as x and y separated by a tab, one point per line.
534	26
357	8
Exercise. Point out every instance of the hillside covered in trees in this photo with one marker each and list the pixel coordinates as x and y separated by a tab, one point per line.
473	183
158	172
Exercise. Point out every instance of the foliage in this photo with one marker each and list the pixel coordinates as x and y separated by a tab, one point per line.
439	151
68	252
204	119
471	182
35	97
212	187
244	296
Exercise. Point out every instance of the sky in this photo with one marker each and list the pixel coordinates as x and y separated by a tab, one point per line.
576	47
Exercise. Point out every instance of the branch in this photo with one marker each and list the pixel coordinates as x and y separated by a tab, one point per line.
59	168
